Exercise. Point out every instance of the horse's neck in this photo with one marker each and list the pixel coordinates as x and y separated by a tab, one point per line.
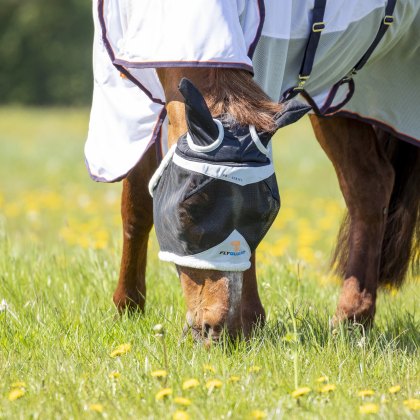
234	93
227	92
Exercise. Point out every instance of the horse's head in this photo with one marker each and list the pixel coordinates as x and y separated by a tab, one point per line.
215	197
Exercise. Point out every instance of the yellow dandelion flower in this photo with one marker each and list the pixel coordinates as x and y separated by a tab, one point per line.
213	383
369	409
180	415
258	414
98	408
412	404
290	337
190	383
163	393
393	291
254	369
365	393
182	401
327	388
209	368
159	373
16	393
300	392
121	349
234	378
114	374
18	384
394	389
322	379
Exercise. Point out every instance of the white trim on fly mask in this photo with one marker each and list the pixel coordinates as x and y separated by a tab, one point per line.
239	175
222	257
154	180
210	147
256	139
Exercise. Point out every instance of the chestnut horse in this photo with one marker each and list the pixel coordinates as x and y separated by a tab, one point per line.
379	177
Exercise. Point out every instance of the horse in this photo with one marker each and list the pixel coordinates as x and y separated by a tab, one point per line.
378	174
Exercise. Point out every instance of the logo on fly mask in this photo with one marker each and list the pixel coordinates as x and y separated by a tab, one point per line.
236	250
215	193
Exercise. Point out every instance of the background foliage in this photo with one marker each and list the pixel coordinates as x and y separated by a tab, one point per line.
45	52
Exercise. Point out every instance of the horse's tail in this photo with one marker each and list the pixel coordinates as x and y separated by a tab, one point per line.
401	243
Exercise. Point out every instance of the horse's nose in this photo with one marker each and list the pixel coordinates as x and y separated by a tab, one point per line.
212	331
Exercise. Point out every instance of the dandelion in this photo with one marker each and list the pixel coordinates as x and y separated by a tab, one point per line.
393	291
369	409
159	373
121	349
412	404
213	383
98	408
190	383
300	392
327	388
290	338
258	414
16	393
254	369
163	393
182	401
18	384
365	393
100	239
234	378
114	375
209	368
394	389
180	415
322	379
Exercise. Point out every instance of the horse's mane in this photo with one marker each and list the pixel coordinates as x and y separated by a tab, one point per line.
235	94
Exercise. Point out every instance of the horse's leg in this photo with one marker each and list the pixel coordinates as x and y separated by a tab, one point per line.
253	313
137	218
366	179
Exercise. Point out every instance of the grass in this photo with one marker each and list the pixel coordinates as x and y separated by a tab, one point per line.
59	254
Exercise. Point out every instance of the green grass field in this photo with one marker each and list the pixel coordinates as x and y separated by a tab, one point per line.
60	244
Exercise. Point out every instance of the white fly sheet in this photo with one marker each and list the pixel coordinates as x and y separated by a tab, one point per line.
134	37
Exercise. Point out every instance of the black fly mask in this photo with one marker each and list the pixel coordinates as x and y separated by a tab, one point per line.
215	193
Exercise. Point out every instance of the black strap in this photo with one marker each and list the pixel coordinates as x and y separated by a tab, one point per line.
385	24
309	57
317	27
388	20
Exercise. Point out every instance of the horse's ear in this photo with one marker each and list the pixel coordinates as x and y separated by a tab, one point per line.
202	128
293	111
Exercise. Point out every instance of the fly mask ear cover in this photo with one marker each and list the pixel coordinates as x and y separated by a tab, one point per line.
215	193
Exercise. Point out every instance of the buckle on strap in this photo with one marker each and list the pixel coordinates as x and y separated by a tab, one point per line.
318	26
388	20
301	84
349	76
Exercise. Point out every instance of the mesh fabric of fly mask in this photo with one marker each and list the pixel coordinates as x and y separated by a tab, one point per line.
215	193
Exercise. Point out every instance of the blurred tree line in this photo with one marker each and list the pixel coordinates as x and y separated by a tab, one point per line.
45	52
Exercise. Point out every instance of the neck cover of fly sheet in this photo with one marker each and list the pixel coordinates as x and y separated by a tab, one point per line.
215	193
